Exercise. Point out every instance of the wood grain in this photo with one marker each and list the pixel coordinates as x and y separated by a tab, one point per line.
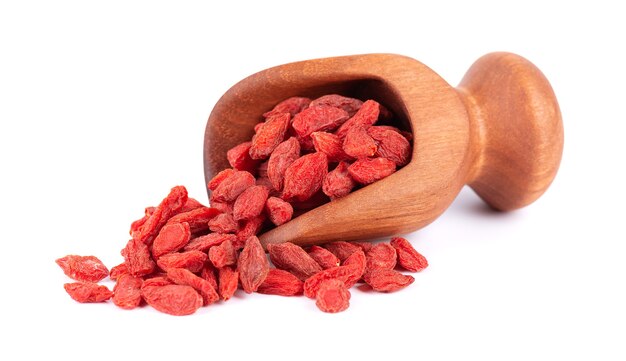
500	131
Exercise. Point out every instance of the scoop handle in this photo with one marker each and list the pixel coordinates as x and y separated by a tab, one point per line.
516	130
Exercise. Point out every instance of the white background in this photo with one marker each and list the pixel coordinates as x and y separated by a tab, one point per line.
102	110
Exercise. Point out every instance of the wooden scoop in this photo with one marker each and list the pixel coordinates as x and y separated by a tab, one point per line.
499	131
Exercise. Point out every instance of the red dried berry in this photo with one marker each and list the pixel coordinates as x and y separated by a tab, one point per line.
239	158
331	145
350	105
381	256
231	187
304	177
157	281
318	118
365	246
252	265
134	227
338	182
219	178
203	243
358	143
342	249
323	257
224	207
333	296
282	157
198	218
269	136
359	261
169	206
391	145
191	204
366	116
258	126
387	280
117	271
247	229
83	268
250	203
343	273
171	238
191	260
408	257
127	292
137	258
369	170
278	211
281	283
316	200
229	280
177	300
223	255
293	106
182	276
87	292
289	257
208	273
223	223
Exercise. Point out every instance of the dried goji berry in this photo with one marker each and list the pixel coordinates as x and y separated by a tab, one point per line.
381	256
281	283
239	158
366	116
171	238
248	228
342	249
223	255
169	206
333	296
350	105
282	157
369	170
83	268
223	223
293	106
183	276
343	273
208	273
219	178
358	143
318	118
289	257
191	204
278	211
331	145
387	280
408	257
203	243
250	203
229	280
359	261
338	182
252	265
137	258
391	145
127	292
231	187
323	257
269	136
157	281
191	260
177	300
134	227
224	207
87	292
198	218
304	177
266	182
316	200
117	271
365	246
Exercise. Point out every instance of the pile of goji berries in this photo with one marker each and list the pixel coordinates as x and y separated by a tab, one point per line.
183	255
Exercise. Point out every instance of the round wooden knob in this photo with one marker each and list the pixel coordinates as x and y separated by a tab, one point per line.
516	130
